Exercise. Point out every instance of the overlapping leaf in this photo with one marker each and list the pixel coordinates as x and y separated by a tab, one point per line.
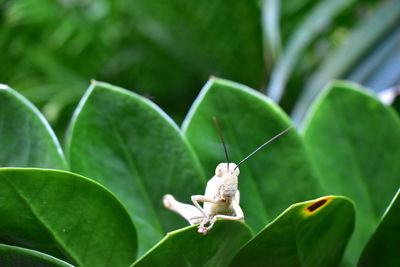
129	145
26	139
354	142
186	247
65	215
274	178
209	41
166	49
16	256
312	233
384	246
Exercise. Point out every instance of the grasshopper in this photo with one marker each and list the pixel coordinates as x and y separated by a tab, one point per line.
221	198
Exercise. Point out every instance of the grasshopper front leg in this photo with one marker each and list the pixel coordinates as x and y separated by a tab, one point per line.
199	198
238	217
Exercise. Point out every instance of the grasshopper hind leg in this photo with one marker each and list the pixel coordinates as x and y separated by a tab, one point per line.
192	214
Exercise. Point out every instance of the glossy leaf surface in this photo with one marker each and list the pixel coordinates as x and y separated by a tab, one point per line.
384	246
354	141
128	144
312	233
65	215
272	179
26	139
16	256
186	247
209	42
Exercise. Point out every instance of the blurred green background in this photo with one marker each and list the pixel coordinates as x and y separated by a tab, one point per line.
166	49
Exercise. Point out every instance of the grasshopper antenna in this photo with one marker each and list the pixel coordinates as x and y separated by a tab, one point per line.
263	145
222	139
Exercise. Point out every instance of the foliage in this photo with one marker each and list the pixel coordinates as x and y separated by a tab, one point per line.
198	250
127	43
353	139
167	50
386	236
343	147
19	116
16	256
139	164
65	215
124	142
307	234
249	119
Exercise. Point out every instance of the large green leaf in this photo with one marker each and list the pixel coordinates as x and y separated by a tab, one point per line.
384	246
26	139
312	233
129	145
209	41
186	247
274	178
65	215
16	256
354	141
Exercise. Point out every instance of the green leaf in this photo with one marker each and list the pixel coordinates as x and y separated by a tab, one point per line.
128	144
354	141
275	177
180	42
186	247
16	256
202	31
384	246
65	215
312	233
26	139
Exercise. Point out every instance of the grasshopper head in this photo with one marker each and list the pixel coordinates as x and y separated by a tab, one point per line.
229	178
222	169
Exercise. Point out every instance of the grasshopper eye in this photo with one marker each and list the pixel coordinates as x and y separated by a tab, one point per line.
218	170
237	171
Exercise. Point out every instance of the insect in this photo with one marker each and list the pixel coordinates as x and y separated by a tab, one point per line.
221	198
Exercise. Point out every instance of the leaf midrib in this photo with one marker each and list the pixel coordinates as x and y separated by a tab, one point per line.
265	215
134	170
53	235
356	162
